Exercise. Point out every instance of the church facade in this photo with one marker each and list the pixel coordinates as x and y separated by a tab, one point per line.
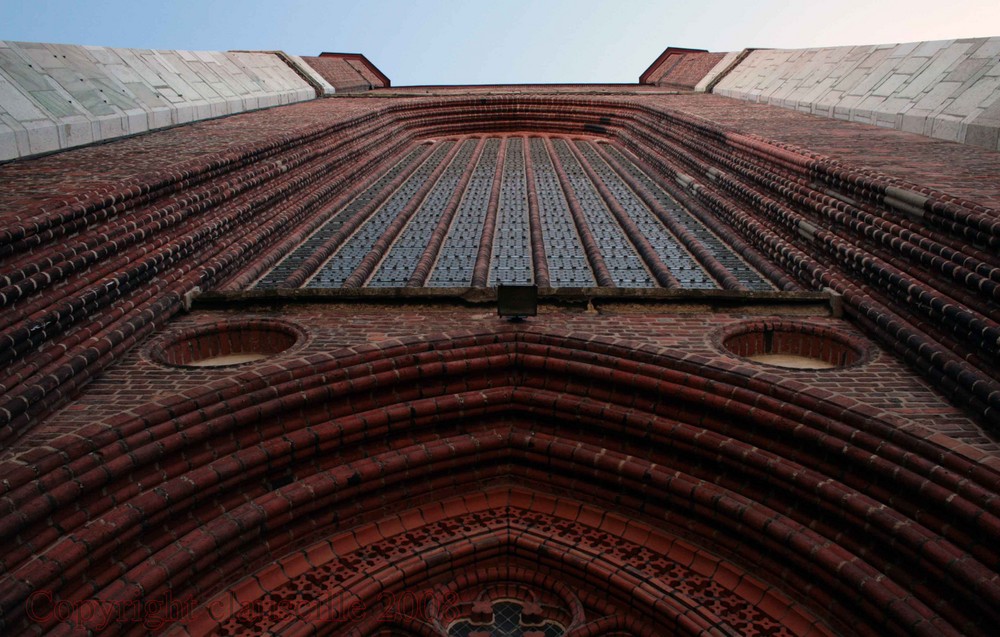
261	374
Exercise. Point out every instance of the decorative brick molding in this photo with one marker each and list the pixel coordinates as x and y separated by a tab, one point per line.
800	218
661	573
769	491
605	467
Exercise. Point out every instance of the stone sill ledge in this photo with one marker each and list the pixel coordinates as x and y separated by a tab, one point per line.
822	303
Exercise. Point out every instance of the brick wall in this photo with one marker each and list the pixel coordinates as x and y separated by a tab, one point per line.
763	492
684	71
348	72
791	239
623	451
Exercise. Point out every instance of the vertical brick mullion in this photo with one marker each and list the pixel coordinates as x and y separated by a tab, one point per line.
481	271
311	264
733	237
639	242
590	247
539	262
704	258
352	173
384	242
430	254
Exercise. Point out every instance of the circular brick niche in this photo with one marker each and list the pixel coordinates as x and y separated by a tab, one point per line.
792	345
227	343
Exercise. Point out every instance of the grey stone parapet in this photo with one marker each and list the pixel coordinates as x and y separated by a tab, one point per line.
948	89
54	96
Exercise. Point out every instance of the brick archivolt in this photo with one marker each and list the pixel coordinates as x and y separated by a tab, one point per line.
88	276
608	570
856	524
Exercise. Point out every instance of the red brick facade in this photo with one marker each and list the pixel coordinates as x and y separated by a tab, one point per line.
348	72
681	70
402	461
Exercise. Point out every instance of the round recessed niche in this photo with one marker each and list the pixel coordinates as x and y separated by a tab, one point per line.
792	345
227	343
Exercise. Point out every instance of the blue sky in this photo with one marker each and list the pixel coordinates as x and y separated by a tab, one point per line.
498	41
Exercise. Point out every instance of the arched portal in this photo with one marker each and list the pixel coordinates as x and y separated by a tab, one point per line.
794	512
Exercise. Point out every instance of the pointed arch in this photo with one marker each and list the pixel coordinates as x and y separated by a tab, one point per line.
824	503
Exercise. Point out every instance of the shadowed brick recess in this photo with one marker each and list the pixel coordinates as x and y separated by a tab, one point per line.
253	379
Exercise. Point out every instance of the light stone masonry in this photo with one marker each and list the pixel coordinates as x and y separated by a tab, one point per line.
948	89
56	96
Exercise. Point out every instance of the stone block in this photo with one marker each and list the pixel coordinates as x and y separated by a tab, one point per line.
160	116
979	95
20	73
137	121
983	135
936	96
8	143
889	86
990	112
850	80
184	113
41	55
946	127
43	136
877	57
989	49
935	71
873	78
57	104
202	110
102	55
14	102
146	96
75	131
223	89
911	65
967	69
113	126
122	73
20	134
932	48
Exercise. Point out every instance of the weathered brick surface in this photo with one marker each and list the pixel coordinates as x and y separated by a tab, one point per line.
338	72
844	501
880	381
687	71
347	72
794	209
665	63
947	167
370	432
